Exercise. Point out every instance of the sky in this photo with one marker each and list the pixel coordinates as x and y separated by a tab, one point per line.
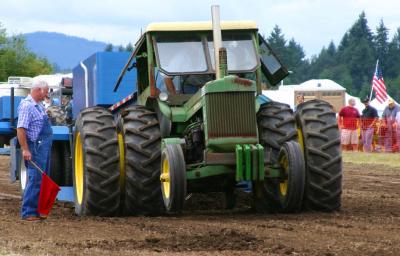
312	23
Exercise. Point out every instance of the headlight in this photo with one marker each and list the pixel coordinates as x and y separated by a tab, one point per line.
163	96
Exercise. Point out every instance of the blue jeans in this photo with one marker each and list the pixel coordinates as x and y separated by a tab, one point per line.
367	136
41	156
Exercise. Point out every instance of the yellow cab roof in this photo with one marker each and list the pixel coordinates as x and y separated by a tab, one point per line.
199	26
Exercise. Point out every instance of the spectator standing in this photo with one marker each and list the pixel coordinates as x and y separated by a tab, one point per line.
397	124
348	121
389	125
35	137
369	118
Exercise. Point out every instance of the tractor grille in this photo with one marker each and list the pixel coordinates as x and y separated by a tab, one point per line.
231	114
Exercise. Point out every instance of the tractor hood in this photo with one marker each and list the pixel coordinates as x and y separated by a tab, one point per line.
224	85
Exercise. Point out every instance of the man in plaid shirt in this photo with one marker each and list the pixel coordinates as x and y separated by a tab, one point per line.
34	134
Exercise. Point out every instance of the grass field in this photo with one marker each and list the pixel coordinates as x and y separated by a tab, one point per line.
390	159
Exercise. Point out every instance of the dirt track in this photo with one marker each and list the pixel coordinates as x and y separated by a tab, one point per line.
368	224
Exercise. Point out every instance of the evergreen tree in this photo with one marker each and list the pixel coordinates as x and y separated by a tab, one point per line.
322	67
291	54
277	42
121	48
381	45
393	59
295	59
129	47
357	53
392	72
109	48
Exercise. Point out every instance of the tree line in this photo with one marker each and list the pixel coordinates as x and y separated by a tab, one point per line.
17	60
351	63
128	48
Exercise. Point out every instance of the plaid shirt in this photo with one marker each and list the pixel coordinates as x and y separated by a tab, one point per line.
30	117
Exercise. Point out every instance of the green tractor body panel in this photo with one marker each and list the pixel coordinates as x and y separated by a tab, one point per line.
222	112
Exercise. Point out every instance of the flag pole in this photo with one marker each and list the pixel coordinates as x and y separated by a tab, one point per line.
36	166
372	85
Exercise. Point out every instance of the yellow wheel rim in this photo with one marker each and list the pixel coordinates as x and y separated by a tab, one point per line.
165	178
121	160
300	138
78	164
283	185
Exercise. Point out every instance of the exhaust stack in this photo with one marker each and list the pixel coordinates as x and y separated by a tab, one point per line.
217	38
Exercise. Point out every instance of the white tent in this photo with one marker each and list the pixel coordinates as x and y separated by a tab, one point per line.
380	107
319	85
285	93
54	80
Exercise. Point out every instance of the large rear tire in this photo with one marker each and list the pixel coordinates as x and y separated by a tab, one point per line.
320	139
96	163
276	125
142	147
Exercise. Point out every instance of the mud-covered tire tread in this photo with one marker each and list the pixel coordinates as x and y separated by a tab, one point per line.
276	125
101	196
142	143
322	155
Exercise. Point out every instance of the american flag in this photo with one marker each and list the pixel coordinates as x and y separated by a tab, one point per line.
378	84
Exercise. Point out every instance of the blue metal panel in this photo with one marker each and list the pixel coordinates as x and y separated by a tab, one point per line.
103	71
5	128
66	194
109	66
60	132
5	110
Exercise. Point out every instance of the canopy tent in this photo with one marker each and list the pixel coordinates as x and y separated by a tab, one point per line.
286	93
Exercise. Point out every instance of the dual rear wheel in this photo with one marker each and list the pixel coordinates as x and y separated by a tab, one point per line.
117	164
306	147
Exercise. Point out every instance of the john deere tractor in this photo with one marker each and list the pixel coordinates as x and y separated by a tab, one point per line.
198	123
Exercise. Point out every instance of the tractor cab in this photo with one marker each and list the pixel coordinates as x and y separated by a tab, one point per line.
177	59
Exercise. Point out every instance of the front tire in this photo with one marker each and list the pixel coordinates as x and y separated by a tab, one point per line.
96	163
173	178
291	188
320	139
276	125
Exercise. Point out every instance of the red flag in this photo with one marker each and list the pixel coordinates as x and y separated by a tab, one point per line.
378	85
48	193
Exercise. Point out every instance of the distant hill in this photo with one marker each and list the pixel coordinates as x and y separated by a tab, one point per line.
63	50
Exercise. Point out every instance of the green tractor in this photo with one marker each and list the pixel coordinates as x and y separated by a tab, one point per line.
199	123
